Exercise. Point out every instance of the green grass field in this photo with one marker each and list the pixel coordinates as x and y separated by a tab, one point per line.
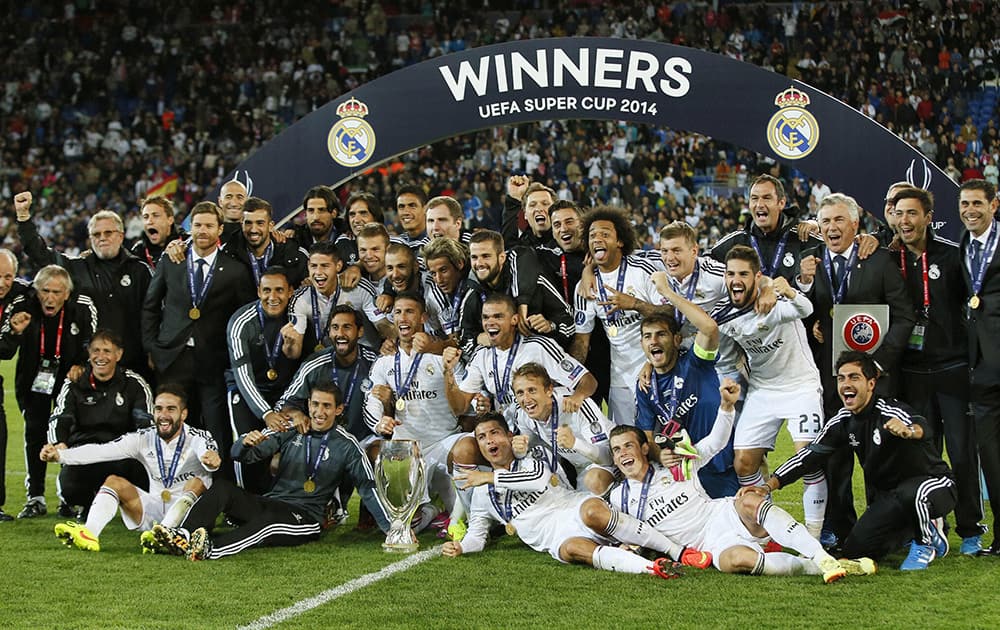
46	585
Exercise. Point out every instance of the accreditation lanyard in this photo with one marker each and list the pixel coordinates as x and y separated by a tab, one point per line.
165	475
670	425
505	510
979	274
643	494
402	389
270	350
838	297
689	294
924	276
775	260
258	265
312	465
196	300
59	330
314	302
618	287
353	379
503	386
564	275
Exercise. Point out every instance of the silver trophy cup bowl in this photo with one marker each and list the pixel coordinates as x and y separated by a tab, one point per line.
399	483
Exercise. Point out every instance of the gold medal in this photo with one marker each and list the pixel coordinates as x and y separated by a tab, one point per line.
272	375
320	347
400	405
194	313
974	302
554	481
309	486
612	331
165	495
511	530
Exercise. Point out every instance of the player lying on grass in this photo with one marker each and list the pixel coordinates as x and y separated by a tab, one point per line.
734	529
310	469
539	507
179	460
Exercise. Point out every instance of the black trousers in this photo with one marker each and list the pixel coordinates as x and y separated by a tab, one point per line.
254	477
986	411
943	399
266	522
897	516
78	485
36	409
599	363
3	448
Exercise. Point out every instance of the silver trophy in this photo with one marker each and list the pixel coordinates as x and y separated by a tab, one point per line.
399	482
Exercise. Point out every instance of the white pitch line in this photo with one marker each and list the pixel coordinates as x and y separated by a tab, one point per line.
279	616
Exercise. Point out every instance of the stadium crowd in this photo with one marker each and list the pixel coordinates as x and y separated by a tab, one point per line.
463	297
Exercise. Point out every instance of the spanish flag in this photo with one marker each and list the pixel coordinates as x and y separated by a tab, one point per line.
166	187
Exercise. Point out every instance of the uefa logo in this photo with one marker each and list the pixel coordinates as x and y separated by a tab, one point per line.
351	140
862	332
792	132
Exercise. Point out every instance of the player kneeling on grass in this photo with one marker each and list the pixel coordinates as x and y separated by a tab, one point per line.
732	530
311	468
538	506
179	460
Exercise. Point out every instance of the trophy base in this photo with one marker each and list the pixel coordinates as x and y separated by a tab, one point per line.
400	547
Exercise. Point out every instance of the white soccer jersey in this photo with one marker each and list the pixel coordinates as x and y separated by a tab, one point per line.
623	331
360	298
590	427
678	509
776	346
426	417
481	375
709	291
443	313
141	446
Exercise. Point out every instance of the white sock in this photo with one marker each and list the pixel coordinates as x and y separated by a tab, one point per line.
786	531
814	495
753	479
628	529
619	560
464	497
781	563
102	510
442	486
175	515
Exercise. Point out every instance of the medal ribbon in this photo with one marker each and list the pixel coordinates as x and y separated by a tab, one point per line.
618	287
643	494
312	466
259	265
554	422
689	294
41	337
506	511
403	389
778	251
838	297
168	477
350	384
314	302
196	300
729	312
978	275
503	387
270	351
456	301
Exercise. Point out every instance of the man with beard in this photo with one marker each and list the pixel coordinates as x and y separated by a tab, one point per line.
526	218
254	246
184	318
179	462
100	405
321	208
49	331
112	277
312	305
908	485
362	208
402	274
265	351
495	271
784	381
158	229
11	288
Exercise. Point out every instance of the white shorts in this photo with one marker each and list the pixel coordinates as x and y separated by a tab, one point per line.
153	511
621	405
726	530
560	521
765	409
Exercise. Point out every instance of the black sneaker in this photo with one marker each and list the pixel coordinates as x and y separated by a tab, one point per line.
67	511
32	509
4	517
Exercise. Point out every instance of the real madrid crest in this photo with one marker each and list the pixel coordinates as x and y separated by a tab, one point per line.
119	399
792	132
351	140
74	329
126	280
933	272
788	260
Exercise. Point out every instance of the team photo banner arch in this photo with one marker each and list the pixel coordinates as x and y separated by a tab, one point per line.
601	79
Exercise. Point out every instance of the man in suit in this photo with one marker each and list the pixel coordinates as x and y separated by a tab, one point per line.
184	321
835	274
977	203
